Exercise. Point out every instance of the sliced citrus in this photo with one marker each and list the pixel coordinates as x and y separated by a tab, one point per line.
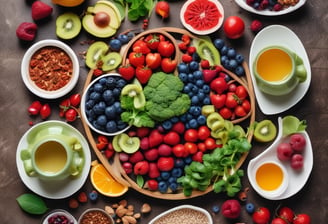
104	182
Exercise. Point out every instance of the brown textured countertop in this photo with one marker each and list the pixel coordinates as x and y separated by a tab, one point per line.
310	23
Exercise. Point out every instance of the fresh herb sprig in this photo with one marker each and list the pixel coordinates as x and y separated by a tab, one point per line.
219	168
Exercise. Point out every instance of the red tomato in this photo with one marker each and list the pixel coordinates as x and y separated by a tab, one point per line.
136	59
240	111
241	92
153	60
201	147
234	27
302	219
278	221
246	105
261	215
172	138
232	87
191	147
143	74
191	135
168	65
225	113
140	46
286	213
166	48
71	115
180	151
203	132
219	85
232	100
210	143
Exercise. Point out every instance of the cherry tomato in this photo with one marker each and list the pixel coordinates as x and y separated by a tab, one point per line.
136	59
166	49
210	143
201	146
218	100
45	111
225	112
172	138
203	132
234	27
179	151
278	221
302	219
70	115
35	107
191	147
153	60
241	92
286	213
168	65
75	99
232	100
219	85
246	105
261	215
191	135
240	111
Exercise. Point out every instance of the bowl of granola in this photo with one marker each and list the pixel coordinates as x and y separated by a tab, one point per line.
50	69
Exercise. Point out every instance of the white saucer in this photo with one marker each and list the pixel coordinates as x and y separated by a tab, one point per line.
297	178
279	35
57	189
243	4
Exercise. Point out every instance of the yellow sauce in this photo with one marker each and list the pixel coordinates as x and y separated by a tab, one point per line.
269	176
274	65
50	157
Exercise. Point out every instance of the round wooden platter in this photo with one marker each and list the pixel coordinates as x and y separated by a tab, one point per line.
114	166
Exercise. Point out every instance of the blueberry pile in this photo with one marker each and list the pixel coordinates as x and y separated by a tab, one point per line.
230	59
168	179
116	43
102	105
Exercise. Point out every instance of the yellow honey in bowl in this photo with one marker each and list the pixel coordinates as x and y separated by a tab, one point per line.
51	157
269	176
274	65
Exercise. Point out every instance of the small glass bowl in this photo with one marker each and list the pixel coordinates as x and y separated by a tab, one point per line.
58	213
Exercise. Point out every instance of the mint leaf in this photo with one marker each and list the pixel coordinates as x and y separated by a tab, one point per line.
32	204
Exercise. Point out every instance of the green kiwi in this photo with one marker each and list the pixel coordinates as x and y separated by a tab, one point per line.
207	51
131	90
128	144
115	141
265	131
111	61
95	52
68	25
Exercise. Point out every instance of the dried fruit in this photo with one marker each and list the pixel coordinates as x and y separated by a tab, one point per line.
26	31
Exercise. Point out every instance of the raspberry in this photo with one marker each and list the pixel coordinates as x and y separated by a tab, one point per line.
73	203
256	25
82	197
264	4
26	31
277	7
97	72
250	2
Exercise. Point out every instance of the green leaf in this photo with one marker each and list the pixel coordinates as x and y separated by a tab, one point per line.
291	124
140	181
32	204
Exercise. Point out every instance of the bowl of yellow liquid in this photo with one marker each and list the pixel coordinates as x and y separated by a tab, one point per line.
278	70
270	179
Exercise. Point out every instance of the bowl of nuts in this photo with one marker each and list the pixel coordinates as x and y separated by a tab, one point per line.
50	69
95	215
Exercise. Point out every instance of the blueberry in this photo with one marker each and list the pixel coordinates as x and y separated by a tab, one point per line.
233	64
182	67
162	186
115	44
188	160
111	82
195	57
165	175
123	38
176	172
239	58
194	100
218	43
110	112
130	35
201	120
111	126
98	109
183	118
216	208
198	74
93	195
179	163
98	87
102	120
174	119
95	96
183	77
117	107
193	123
121	125
90	104
191	78
108	97
197	111
200	83
224	50
231	53
172	180
173	186
167	125
96	125
207	100
120	83
250	208
224	58
102	81
194	89
239	70
206	89
116	93
201	95
193	65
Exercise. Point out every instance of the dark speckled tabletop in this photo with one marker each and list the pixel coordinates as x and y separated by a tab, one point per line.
310	23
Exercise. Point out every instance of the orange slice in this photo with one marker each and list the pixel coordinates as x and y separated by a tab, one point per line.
104	183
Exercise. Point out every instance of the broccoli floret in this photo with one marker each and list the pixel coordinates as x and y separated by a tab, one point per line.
164	97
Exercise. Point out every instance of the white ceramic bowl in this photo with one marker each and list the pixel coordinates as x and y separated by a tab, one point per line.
84	101
95	210
59	212
193	214
30	84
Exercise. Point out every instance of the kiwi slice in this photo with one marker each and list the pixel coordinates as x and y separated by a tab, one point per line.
111	61
94	53
68	25
207	51
265	131
115	141
128	144
208	109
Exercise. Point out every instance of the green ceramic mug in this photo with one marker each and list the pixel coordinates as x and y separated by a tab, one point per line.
53	157
278	70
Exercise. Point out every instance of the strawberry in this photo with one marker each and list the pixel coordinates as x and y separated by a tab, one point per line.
143	74
209	75
26	31
256	25
40	10
186	58
205	64
127	72
82	197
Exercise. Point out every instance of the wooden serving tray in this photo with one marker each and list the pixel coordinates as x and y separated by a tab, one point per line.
114	166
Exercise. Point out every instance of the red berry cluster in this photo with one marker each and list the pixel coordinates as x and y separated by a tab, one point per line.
37	108
68	107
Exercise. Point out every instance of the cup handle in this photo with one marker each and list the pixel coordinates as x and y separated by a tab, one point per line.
300	69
